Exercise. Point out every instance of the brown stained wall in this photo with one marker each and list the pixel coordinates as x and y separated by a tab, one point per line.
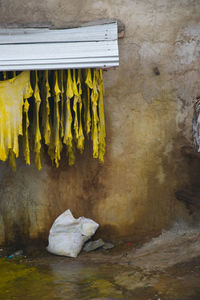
148	120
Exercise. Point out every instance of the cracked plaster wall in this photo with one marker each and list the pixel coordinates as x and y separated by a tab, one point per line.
148	120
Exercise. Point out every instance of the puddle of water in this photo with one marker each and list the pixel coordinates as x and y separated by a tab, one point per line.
62	278
70	280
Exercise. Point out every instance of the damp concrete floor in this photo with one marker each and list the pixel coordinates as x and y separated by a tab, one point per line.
50	277
165	268
62	278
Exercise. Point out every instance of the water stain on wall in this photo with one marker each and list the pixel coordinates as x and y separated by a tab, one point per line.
148	121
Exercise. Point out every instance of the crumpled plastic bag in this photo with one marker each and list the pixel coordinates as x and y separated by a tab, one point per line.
68	235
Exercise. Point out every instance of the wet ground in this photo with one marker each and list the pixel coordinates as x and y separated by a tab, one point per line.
166	268
50	277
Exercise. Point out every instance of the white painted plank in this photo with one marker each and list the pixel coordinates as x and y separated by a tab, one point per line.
60	61
36	49
57	50
62	66
89	33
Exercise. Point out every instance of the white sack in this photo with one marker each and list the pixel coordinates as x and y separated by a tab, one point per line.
68	235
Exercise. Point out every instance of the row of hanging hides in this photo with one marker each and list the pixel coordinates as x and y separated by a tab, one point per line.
54	109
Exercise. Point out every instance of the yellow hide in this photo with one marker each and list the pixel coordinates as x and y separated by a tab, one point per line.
12	95
65	107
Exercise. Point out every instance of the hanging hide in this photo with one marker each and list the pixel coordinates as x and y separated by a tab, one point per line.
13	95
51	108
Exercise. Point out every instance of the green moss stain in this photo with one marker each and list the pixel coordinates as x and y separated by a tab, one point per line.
18	281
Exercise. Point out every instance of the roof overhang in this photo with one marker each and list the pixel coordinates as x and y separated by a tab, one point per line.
40	49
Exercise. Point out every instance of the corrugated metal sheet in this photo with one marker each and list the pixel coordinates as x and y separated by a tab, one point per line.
40	49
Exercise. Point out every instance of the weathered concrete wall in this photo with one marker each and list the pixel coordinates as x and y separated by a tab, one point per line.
148	119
